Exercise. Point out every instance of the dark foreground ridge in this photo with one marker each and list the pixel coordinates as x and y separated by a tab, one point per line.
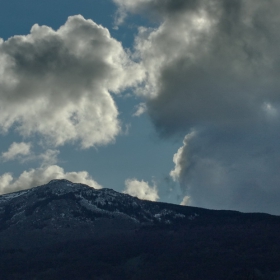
63	230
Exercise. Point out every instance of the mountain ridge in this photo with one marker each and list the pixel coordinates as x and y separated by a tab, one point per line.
107	202
124	237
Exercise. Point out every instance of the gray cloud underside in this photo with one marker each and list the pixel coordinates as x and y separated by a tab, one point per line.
213	68
215	63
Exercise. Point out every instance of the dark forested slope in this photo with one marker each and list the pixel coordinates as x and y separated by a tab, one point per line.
63	230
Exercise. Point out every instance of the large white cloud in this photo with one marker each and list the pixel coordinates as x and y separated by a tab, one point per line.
141	189
42	175
58	83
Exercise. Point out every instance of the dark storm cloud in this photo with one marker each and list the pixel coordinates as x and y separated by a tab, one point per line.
212	61
213	69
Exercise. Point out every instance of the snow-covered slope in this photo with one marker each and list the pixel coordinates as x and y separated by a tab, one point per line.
61	203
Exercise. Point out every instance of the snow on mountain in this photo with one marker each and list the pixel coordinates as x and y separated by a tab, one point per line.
61	201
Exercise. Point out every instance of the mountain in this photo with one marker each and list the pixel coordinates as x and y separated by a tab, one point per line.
63	230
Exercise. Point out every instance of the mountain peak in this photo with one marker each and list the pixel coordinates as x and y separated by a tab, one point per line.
78	203
61	181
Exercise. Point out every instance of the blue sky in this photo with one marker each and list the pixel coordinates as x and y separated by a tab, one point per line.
174	101
139	152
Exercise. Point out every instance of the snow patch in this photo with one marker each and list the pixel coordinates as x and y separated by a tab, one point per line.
10	196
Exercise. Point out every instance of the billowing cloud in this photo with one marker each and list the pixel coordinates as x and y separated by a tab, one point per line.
40	176
17	150
59	83
209	61
141	189
181	159
225	170
213	68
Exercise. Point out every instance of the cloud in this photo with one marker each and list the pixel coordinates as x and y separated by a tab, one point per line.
40	176
16	150
22	151
58	84
212	73
181	158
140	109
155	7
141	189
208	61
185	201
225	170
48	157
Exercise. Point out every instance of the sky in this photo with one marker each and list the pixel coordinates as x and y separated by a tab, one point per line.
167	100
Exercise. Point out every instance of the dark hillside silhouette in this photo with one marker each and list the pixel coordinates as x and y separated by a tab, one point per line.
63	230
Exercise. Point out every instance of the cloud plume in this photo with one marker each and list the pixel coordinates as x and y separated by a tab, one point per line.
225	170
